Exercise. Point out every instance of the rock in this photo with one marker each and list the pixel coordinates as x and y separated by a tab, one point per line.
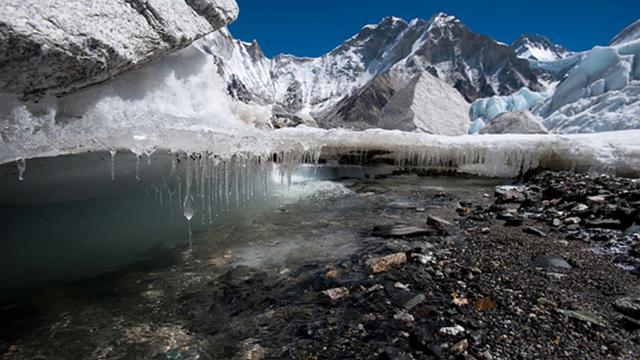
545	261
382	264
440	225
415	301
336	293
429	105
515	122
556	222
57	46
534	231
572	220
509	194
628	306
423	259
583	316
399	231
580	208
598	199
485	230
452	330
516	221
402	315
604	223
460	346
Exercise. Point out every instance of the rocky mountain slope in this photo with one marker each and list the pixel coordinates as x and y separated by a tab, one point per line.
538	47
57	46
350	85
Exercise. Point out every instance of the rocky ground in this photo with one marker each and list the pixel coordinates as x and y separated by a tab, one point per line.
547	268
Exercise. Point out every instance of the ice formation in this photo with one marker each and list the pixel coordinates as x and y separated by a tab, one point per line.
600	93
484	110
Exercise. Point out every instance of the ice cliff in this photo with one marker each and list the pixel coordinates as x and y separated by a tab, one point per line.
57	46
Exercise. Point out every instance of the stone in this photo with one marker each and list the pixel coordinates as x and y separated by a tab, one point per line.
515	122
628	306
546	261
382	264
452	330
556	222
402	315
336	293
460	347
53	47
583	316
604	223
534	231
399	231
508	194
572	220
440	225
415	301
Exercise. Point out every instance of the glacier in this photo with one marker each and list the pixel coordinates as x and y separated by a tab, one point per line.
484	110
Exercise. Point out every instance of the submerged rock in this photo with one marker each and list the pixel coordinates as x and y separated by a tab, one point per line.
57	46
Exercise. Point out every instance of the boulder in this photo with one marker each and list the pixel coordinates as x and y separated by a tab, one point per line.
515	122
53	47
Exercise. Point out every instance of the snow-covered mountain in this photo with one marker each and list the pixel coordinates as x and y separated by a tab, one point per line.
352	84
630	33
538	47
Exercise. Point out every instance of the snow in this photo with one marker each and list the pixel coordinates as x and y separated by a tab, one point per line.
538	48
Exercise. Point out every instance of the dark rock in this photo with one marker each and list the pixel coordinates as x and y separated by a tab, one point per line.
440	225
514	222
546	261
509	194
415	301
534	231
628	306
604	223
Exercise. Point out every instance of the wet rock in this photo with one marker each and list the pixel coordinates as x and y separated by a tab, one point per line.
547	261
556	222
336	293
584	316
440	225
382	264
534	231
400	231
628	306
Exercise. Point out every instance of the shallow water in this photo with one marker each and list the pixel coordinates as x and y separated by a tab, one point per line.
135	311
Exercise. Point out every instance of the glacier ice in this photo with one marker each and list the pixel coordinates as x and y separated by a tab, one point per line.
600	93
487	109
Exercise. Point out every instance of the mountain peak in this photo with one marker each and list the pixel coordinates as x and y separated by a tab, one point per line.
443	19
538	47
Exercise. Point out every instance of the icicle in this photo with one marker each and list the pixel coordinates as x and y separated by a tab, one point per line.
21	164
113	164
137	167
187	206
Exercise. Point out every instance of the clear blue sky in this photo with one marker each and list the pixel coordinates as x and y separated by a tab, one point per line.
312	28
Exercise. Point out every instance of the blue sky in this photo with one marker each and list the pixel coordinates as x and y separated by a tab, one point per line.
312	28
